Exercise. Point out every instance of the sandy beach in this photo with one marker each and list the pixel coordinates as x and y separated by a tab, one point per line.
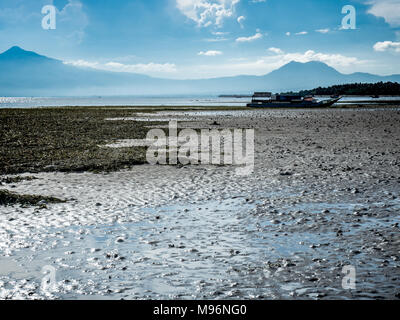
324	194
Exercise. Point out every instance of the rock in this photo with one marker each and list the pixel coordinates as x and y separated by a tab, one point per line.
288	264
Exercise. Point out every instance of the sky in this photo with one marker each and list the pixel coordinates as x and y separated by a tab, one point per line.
191	39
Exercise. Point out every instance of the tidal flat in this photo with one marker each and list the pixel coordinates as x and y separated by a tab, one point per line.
324	194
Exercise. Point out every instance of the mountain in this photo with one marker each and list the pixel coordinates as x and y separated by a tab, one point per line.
16	54
26	73
317	74
309	73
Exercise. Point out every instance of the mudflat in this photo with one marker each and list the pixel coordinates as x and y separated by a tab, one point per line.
324	197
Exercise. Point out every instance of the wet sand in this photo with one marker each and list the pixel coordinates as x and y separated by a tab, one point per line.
325	193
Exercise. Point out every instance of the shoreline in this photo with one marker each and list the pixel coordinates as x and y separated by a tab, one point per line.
324	195
67	139
343	104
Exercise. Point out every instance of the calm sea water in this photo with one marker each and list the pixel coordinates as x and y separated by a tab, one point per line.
34	102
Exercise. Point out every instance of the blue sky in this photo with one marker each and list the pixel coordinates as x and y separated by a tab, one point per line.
207	38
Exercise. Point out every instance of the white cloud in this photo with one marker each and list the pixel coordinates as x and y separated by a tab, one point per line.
281	58
218	39
82	63
207	12
250	39
387	46
334	60
153	69
302	33
219	33
240	20
141	68
387	9
210	53
323	30
219	36
288	34
275	50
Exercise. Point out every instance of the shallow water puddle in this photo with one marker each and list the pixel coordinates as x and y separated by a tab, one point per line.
215	249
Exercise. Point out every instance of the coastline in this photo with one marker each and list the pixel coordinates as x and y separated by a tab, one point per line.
324	194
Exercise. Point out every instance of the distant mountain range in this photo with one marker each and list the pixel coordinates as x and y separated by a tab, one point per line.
26	73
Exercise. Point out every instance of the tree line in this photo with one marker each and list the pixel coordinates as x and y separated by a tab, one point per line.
362	89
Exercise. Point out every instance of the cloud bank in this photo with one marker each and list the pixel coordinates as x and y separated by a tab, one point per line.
151	69
387	46
207	12
387	9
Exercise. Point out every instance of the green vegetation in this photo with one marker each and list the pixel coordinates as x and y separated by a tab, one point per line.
67	140
10	198
9	180
359	89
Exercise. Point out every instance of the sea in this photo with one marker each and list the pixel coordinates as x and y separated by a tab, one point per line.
36	102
